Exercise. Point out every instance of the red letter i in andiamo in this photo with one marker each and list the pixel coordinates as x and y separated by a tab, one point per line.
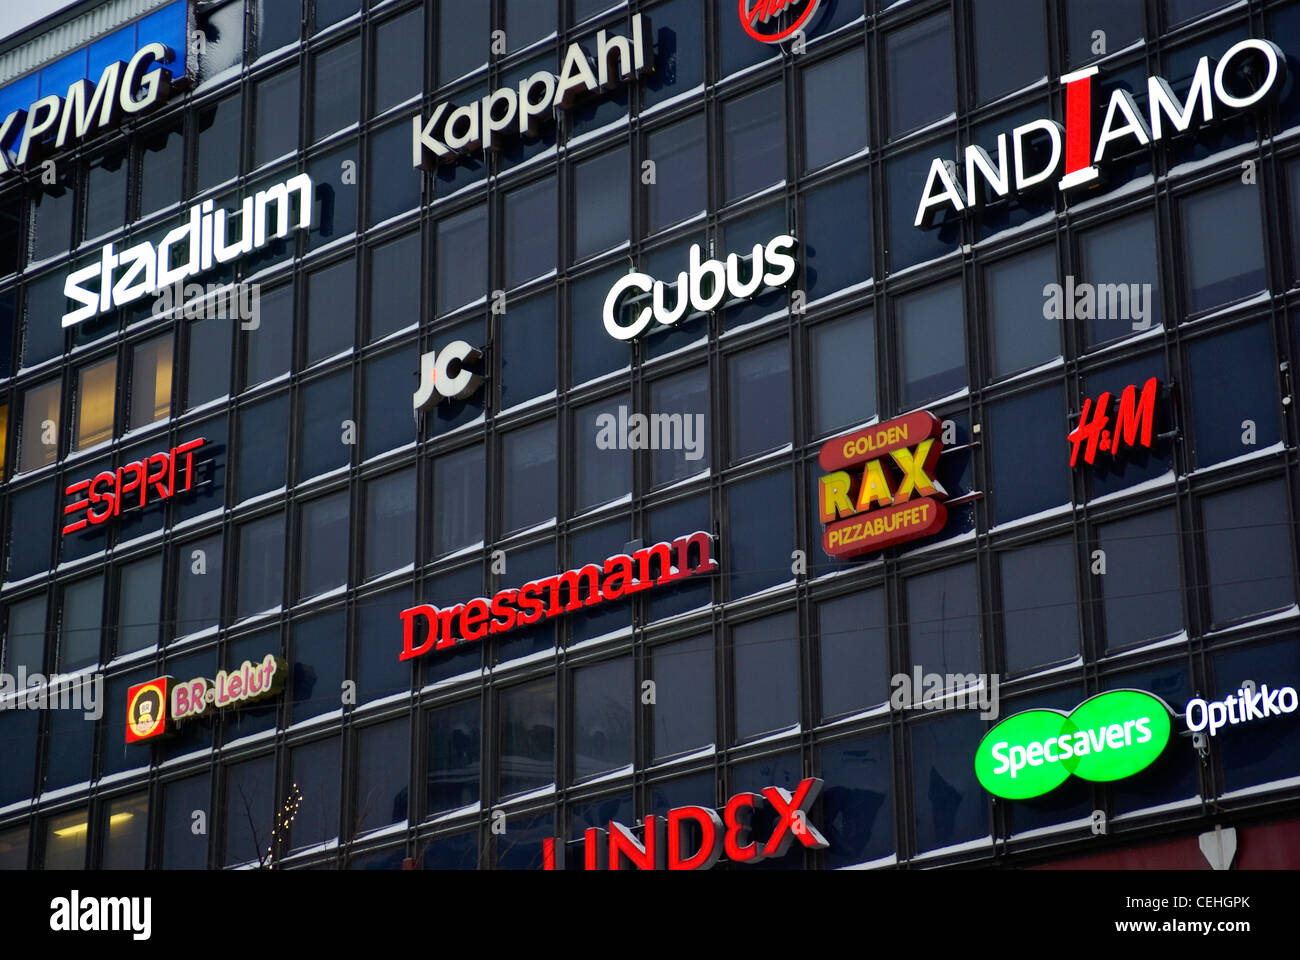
1078	128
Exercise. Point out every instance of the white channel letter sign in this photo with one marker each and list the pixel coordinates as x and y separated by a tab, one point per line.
446	375
126	276
702	287
451	131
1249	72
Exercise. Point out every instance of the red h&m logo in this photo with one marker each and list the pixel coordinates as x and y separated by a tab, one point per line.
1133	427
128	487
754	12
695	838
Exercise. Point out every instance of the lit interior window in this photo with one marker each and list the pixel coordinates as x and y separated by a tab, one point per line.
96	393
40	423
65	841
151	382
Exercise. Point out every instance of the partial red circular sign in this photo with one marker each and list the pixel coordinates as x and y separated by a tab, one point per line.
754	12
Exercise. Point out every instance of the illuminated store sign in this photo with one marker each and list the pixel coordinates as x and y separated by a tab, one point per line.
446	374
1107	737
863	512
482	126
1133	426
695	838
44	113
132	486
1249	72
144	269
1247	704
153	706
620	576
702	287
754	13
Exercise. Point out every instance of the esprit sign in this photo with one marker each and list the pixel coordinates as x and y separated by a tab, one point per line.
619	576
670	842
446	374
1107	737
143	269
120	76
483	126
1250	71
701	288
757	15
862	510
131	486
1133	426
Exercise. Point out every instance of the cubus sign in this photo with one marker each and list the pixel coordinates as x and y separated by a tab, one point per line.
152	707
1250	72
695	838
1134	424
621	575
863	512
1107	737
132	486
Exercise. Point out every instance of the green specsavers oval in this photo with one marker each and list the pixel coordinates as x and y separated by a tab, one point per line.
1011	760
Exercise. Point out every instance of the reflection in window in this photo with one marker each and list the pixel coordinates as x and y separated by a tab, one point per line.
40	437
1022	337
1223	237
261	566
761	414
65	841
1249	548
1233	393
602	718
106	191
217	156
317	671
837	236
680	190
1265	750
951	806
684	696
383	775
830	131
453	757
96	403
754	142
857	802
528	473
922	49
151	381
1029	466
762	529
276	121
854	642
766	656
943	621
390	523
932	342
527	730
1141	591
1040	605
315	770
248	807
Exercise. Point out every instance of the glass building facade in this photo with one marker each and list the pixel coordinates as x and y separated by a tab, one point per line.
324	509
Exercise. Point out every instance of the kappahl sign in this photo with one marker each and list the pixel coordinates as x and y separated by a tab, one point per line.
1250	72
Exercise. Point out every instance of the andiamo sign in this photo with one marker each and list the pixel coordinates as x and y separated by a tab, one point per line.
701	288
1250	71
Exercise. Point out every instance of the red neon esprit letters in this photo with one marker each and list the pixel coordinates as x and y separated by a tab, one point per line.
110	493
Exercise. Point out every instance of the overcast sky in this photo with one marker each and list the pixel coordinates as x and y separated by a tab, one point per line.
15	15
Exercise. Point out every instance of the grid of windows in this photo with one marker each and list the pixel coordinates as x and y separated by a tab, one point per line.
323	510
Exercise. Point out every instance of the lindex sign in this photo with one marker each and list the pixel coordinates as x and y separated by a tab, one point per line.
1107	737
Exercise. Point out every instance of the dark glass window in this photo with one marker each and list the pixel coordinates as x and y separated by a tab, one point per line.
1099	27
766	655
453	746
331	310
336	95
389	383
323	544
831	131
139	589
1141	590
951	806
317	656
739	49
459	851
25	636
527	21
857	802
53	206
458	500
688	394
390	523
528	474
1040	605
1028	462
1180	10
600	186
932	342
337	202
462	259
680	188
1010	46
520	847
399	58
390	149
602	474
44	300
69	743
268	347
13	849
31	516
1234	394
279	22
527	341
920	64
679	50
854	641
394	285
1223	239
20	731
602	718
684	695
762	530
1022	337
82	623
527	731
383	775
593	352
1248	544
106	192
261	566
837	219
943	620
209	360
761	416
1122	252
316	770
464	33
325	406
11	241
1263	751
248	810
262	453
198	586
275	130
843	353
217	154
753	127
530	231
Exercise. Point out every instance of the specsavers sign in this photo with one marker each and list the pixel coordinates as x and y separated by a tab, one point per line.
1107	737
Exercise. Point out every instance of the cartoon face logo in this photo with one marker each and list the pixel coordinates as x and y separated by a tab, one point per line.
146	710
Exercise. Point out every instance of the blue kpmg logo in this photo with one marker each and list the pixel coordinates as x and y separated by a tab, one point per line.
124	73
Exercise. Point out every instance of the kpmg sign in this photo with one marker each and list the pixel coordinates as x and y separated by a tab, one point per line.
121	75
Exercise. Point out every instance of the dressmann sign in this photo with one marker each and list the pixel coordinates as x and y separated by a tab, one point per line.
1250	72
126	73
